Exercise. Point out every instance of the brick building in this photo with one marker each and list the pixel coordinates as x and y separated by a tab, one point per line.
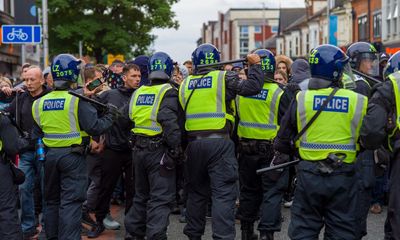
367	21
240	30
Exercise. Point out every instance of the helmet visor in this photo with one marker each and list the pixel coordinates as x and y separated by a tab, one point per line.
369	64
348	78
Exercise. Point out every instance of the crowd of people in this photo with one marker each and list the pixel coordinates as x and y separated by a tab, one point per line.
86	136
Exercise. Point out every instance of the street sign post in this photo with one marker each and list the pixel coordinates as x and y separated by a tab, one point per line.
21	34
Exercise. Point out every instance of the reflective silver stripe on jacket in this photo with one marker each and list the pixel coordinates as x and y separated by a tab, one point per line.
131	102
354	123
36	113
396	76
153	116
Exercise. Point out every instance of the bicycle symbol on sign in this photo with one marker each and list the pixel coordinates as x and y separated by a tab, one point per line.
19	34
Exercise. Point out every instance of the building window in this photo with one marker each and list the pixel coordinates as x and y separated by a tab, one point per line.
258	44
257	29
290	49
307	43
244	47
363	28
6	6
377	21
297	47
274	29
244	31
225	37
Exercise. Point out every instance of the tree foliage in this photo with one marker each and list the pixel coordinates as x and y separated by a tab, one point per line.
107	26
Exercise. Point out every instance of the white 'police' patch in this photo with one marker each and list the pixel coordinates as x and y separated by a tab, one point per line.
198	83
145	100
53	104
337	104
261	96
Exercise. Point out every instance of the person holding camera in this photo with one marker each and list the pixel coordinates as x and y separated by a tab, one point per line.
116	157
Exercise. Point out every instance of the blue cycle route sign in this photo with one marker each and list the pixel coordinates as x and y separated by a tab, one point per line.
20	34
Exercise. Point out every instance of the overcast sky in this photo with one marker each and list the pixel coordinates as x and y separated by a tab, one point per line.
191	14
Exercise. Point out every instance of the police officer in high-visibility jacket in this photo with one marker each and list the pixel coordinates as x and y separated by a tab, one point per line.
257	127
10	145
326	192
64	122
382	126
154	112
364	58
207	98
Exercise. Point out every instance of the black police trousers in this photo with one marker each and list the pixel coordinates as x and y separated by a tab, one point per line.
65	191
365	166
392	224
113	165
260	191
154	195
211	164
10	226
324	199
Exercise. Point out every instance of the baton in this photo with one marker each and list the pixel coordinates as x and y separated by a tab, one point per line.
220	64
283	165
87	99
366	76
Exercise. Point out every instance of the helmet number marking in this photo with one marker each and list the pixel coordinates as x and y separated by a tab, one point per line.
209	58
158	65
265	65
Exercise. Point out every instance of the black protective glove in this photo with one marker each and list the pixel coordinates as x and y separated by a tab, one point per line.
176	153
113	111
279	158
168	161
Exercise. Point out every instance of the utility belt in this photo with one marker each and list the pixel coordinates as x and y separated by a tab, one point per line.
253	146
80	149
146	142
207	135
332	165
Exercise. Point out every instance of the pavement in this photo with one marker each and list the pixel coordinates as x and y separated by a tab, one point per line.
175	229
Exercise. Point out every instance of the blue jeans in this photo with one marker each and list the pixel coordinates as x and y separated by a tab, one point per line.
30	166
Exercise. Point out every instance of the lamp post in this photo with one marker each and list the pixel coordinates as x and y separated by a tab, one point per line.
328	20
263	26
45	34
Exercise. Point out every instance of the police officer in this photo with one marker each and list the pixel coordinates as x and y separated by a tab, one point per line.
156	136
64	122
207	99
381	125
326	183
257	127
364	58
10	226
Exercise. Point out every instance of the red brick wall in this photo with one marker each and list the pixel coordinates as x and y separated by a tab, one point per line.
268	34
360	8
